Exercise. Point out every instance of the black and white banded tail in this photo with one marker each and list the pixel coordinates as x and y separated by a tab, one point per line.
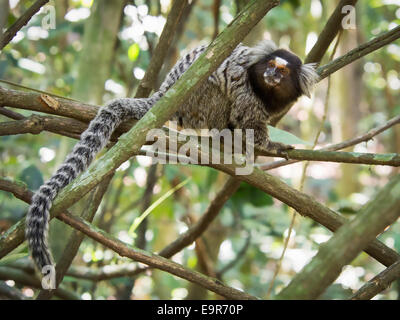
91	142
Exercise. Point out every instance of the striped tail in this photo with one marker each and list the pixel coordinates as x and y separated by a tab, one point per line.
91	142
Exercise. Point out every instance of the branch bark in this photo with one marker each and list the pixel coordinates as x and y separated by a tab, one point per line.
21	21
153	260
355	54
379	283
7	273
346	244
331	29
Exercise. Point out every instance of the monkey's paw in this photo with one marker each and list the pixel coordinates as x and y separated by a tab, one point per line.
280	148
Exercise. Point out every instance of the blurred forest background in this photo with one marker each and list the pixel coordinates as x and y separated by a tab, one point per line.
99	50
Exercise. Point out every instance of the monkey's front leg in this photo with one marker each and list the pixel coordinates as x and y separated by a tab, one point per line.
252	119
263	142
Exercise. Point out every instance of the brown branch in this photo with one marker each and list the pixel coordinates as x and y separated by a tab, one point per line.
378	283
216	14
346	244
139	255
36	124
10	292
11	114
187	238
342	145
153	260
21	21
331	29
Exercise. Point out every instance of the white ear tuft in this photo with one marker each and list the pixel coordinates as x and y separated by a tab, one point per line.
308	78
261	50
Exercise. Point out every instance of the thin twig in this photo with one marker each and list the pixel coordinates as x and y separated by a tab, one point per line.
341	145
378	283
21	21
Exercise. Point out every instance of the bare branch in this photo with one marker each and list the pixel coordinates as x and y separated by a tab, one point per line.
139	255
153	260
359	52
7	273
21	21
342	145
160	52
378	283
331	29
346	244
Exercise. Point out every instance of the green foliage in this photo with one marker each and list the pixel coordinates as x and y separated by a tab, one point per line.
32	177
250	213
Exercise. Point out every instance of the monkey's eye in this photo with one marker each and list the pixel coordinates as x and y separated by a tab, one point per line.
283	71
271	64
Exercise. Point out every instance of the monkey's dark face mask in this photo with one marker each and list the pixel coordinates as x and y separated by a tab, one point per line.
276	72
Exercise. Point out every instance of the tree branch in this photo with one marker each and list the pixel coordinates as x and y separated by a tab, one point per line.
378	283
136	254
346	244
21	21
7	273
331	29
355	54
341	145
160	52
153	260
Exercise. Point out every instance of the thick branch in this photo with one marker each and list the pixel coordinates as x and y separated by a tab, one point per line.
36	124
21	21
346	244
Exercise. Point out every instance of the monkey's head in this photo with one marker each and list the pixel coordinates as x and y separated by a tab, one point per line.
280	77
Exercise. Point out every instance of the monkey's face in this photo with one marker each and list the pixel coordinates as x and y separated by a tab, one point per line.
277	71
280	78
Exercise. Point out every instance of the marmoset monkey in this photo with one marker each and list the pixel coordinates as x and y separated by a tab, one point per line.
252	86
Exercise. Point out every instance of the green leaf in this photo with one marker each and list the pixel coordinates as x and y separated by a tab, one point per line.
32	177
133	52
143	216
279	135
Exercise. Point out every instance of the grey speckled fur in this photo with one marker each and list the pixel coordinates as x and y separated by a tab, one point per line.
226	100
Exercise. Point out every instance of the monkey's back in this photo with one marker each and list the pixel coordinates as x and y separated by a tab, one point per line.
207	108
